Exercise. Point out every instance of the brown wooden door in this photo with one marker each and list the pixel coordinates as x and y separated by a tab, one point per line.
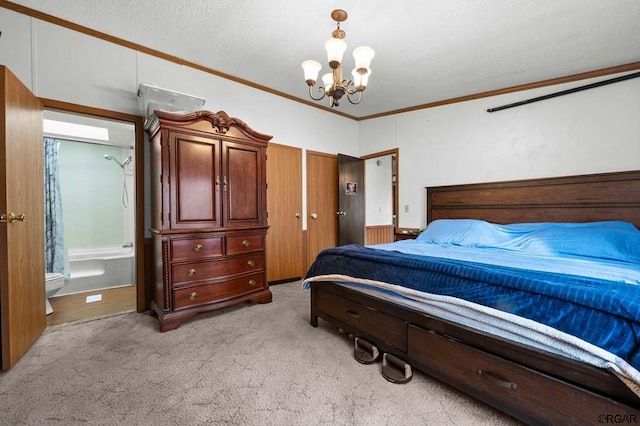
243	185
351	200
322	203
22	288
284	204
195	187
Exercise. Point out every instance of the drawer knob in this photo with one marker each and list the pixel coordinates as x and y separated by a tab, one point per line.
499	381
192	296
197	248
245	243
251	264
191	273
252	283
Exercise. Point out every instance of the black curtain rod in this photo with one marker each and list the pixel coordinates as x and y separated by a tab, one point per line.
566	92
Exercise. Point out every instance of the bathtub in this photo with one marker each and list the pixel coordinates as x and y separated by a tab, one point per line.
98	269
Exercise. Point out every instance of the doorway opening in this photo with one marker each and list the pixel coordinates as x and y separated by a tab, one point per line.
101	212
381	201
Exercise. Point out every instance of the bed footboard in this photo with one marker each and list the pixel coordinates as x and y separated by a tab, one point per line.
528	384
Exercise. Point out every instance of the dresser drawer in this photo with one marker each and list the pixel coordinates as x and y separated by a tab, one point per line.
195	248
201	271
512	387
237	244
202	294
387	328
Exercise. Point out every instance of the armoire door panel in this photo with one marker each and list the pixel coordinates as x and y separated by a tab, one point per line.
195	182
242	173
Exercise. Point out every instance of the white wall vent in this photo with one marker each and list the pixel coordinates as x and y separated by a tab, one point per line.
156	97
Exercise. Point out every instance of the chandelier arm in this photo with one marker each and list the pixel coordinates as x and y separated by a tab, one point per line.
359	97
320	89
348	84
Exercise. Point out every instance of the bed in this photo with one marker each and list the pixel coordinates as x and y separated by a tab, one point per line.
556	342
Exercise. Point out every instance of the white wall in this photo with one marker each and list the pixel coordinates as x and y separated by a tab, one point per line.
15	44
592	131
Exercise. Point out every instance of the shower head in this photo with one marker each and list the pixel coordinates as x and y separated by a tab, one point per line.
126	161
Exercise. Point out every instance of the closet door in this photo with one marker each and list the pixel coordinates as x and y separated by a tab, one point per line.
22	288
322	203
195	182
284	204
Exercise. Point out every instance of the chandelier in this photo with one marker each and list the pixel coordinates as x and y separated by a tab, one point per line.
334	87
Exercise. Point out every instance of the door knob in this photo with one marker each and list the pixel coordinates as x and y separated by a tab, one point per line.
19	217
314	215
341	213
297	215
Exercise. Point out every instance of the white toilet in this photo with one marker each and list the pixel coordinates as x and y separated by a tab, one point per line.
53	282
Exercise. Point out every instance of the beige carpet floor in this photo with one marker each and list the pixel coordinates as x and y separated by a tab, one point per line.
246	365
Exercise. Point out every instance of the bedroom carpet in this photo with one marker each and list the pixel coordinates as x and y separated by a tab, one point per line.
245	365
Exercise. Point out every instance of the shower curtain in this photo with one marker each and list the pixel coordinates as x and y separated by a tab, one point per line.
55	253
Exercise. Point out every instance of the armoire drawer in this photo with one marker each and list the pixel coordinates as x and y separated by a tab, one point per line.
389	329
502	383
191	272
202	294
195	248
237	244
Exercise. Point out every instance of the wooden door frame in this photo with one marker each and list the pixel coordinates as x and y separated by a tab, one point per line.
142	290
396	153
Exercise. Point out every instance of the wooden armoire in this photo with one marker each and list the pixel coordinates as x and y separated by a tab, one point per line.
209	217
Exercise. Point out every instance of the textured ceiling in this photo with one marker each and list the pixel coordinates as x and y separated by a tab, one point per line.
426	50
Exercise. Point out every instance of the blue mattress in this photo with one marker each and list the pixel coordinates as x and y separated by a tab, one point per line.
603	312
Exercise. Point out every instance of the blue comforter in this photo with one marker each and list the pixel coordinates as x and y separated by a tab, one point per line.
603	312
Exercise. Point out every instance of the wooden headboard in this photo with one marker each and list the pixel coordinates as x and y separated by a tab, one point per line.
583	198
